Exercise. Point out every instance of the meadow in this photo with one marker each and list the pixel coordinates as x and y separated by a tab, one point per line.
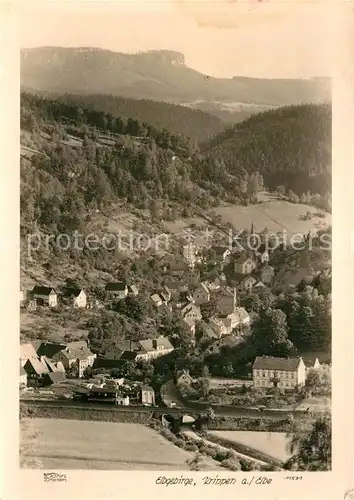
73	444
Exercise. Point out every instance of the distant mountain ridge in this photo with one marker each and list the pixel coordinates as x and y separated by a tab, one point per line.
160	75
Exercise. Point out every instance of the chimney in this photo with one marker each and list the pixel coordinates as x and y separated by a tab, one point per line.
154	343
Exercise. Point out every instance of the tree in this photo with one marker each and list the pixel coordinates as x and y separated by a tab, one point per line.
73	371
312	451
271	333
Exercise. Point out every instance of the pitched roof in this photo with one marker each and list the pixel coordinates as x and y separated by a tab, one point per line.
27	351
134	289
42	290
38	367
155	298
77	350
49	349
273	363
115	287
56	377
144	387
150	345
175	285
22	370
243	258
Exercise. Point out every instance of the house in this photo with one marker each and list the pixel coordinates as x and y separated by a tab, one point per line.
191	311
247	283
183	377
284	373
146	395
49	349
76	353
122	400
156	300
154	348
76	295
118	290
267	274
174	288
244	264
23	377
27	351
264	257
221	253
226	300
237	319
202	294
133	290
53	378
45	295
218	327
35	370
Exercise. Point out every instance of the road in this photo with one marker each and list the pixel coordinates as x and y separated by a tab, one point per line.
232	412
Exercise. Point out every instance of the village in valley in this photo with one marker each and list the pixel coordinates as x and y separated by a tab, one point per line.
175	252
211	318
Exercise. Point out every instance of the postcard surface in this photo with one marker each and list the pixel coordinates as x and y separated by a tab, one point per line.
177	172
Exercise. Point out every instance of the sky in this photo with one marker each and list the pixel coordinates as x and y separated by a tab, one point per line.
271	39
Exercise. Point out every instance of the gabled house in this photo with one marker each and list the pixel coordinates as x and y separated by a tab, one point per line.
35	369
239	318
175	288
283	373
76	353
191	311
45	295
27	351
145	395
226	300
312	364
202	294
244	264
184	377
118	290
221	253
77	296
247	283
267	274
154	348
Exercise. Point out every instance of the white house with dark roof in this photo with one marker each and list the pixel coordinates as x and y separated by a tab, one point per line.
226	300
45	295
118	290
76	295
154	348
283	373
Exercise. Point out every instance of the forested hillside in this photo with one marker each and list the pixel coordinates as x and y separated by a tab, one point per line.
290	147
193	123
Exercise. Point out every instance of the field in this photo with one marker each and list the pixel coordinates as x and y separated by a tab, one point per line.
73	444
273	444
275	215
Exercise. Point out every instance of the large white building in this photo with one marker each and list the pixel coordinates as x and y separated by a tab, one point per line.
283	373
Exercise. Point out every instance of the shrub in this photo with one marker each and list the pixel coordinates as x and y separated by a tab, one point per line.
231	464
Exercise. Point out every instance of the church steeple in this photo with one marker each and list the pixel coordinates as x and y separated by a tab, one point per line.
252	228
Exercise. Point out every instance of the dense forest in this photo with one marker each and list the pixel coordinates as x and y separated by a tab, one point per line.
290	147
193	123
88	159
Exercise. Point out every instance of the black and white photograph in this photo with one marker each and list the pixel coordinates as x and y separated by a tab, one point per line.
176	240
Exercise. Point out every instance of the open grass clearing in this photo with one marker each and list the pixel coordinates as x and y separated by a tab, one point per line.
74	444
276	216
272	444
